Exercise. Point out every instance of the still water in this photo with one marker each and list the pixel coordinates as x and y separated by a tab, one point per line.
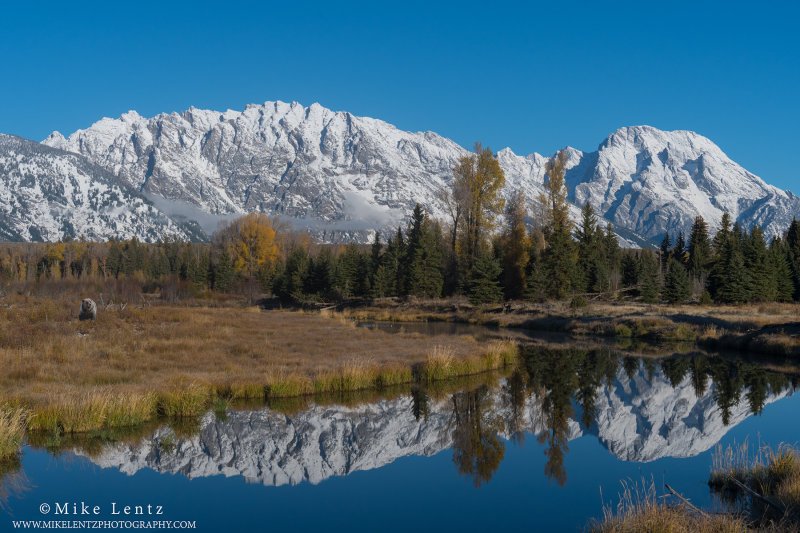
539	449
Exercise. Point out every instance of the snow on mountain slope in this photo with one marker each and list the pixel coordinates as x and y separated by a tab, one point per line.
48	194
343	176
651	181
315	166
638	419
335	174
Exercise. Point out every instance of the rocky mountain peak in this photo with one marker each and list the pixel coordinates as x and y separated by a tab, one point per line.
344	176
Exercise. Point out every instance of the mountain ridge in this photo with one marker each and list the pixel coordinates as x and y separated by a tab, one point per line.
341	177
48	194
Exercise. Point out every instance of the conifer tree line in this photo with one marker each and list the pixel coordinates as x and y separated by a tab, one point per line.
533	256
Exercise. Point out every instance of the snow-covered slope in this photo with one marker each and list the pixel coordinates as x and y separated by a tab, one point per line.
651	181
328	171
342	176
48	194
638	419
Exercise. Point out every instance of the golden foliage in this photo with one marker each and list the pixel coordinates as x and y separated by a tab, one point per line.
252	246
477	182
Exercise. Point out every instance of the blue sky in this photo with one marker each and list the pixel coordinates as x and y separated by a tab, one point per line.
535	77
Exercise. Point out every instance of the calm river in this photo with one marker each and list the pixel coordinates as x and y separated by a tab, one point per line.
541	449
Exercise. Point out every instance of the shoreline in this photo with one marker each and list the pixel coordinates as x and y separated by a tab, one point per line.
772	328
136	364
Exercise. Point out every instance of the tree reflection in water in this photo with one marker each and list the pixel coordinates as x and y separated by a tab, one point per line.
514	396
477	447
561	381
420	406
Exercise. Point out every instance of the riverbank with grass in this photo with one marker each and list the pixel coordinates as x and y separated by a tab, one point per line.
761	488
136	363
765	328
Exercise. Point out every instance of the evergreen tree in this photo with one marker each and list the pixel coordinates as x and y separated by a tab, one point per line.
560	256
223	273
793	254
159	264
676	283
374	260
612	258
755	380
413	237
664	252
397	267
781	271
762	285
648	277
588	237
732	281
424	259
699	249
387	274
724	232
199	269
679	250
320	276
699	375
352	278
484	286
290	284
630	269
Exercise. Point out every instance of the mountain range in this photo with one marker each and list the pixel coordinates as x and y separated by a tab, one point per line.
343	177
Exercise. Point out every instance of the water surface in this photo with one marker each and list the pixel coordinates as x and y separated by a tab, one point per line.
540	448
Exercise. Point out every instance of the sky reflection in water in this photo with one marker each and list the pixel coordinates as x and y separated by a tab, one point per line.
533	451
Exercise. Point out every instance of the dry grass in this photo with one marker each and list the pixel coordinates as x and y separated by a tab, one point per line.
94	409
442	364
640	510
773	473
134	364
13	421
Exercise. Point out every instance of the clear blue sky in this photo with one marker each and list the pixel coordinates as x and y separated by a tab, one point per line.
532	77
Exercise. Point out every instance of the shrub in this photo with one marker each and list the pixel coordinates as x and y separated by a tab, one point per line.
578	302
705	298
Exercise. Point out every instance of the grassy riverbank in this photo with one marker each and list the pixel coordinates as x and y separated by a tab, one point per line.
134	364
761	487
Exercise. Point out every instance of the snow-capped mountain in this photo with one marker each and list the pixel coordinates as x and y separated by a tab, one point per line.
327	171
651	181
638	419
343	176
47	194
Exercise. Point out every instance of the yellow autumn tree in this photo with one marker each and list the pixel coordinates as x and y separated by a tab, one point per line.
252	245
477	182
53	258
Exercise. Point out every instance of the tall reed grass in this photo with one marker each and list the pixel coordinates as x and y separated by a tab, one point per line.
771	472
92	410
640	509
13	422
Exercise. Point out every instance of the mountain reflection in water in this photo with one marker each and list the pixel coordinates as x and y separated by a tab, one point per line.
639	410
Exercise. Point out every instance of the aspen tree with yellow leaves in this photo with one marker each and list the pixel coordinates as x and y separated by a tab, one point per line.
477	182
252	246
